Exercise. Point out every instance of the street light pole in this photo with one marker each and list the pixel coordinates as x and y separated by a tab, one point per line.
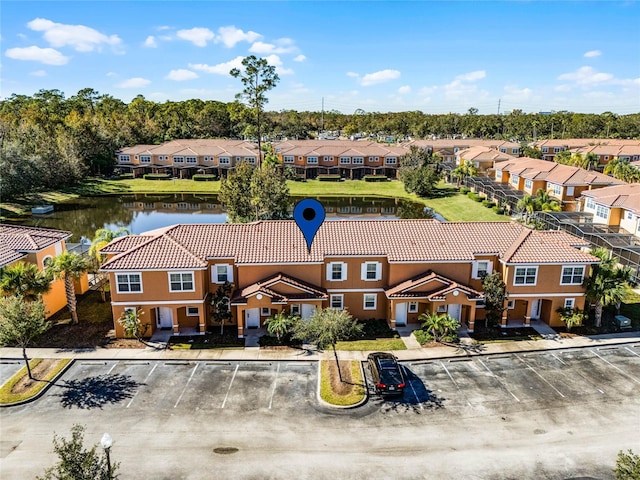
106	441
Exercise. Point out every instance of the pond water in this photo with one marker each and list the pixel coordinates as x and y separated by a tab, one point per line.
140	213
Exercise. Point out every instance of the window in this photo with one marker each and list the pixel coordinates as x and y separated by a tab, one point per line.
572	276
514	151
336	271
181	282
511	304
525	276
345	160
390	160
46	261
193	312
528	183
371	271
545	149
358	160
602	212
178	159
441	309
370	301
224	161
312	160
412	307
515	179
555	189
374	159
251	160
569	302
336	301
125	158
556	149
295	309
498	174
145	158
265	312
590	204
327	159
221	273
288	159
503	150
192	159
128	283
629	216
481	268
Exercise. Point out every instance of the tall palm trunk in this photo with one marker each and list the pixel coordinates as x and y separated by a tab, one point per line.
598	319
71	298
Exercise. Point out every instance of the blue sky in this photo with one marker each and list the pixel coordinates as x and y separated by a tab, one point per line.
382	56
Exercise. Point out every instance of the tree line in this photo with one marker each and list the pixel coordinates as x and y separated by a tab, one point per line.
48	140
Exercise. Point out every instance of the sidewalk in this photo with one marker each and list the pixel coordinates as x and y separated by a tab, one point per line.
311	354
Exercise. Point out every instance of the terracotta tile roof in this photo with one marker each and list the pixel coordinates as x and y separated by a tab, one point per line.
623	196
280	241
269	287
534	248
484	154
21	240
123	244
557	173
435	287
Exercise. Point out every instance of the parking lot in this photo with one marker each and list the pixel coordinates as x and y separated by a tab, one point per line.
563	413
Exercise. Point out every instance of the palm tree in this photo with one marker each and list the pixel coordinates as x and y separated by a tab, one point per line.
526	204
607	284
280	324
545	203
464	170
24	279
101	239
69	267
439	325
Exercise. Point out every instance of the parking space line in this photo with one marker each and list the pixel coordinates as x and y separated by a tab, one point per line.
111	369
230	383
498	380
145	379
578	373
275	382
627	348
186	385
455	383
617	368
559	359
541	377
415	394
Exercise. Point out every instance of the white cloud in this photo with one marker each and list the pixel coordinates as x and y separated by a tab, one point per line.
48	56
587	76
461	88
381	76
299	58
471	76
38	73
404	90
592	53
276	62
112	74
181	75
514	94
198	36
230	35
78	37
151	42
136	82
281	46
220	68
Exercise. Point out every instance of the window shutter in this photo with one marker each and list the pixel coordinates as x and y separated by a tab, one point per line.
344	271
230	273
363	271
329	271
474	270
378	271
489	268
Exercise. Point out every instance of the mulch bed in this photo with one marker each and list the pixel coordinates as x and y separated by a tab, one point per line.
41	370
345	387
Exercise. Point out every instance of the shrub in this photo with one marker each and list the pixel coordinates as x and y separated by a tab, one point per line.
329	178
464	190
375	178
157	176
125	176
478	199
422	337
498	210
204	178
488	203
471	195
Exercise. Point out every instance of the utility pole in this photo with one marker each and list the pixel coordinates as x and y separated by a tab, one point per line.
499	100
322	117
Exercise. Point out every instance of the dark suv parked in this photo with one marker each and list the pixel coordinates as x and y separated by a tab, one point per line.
387	374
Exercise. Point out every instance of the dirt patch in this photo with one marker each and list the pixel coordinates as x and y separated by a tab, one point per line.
345	387
41	370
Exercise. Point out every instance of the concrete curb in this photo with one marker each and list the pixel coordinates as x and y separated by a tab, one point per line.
43	391
342	407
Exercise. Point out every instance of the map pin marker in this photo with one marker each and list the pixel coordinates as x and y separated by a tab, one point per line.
309	215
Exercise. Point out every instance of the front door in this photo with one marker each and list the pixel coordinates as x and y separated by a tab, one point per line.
401	314
165	317
454	310
535	309
252	317
307	310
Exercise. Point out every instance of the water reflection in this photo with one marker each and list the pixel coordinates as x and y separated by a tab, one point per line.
140	213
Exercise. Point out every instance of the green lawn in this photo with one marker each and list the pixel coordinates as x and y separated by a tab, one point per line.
350	394
448	202
380	344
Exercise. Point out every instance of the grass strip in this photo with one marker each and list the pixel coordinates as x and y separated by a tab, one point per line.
380	344
353	395
8	397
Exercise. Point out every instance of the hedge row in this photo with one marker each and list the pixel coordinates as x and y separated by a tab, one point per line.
329	178
375	178
204	178
157	176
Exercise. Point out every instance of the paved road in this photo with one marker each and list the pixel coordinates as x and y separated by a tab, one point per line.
561	414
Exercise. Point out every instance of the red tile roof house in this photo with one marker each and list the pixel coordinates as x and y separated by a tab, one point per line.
551	147
563	182
38	246
616	206
606	153
483	158
448	148
386	269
